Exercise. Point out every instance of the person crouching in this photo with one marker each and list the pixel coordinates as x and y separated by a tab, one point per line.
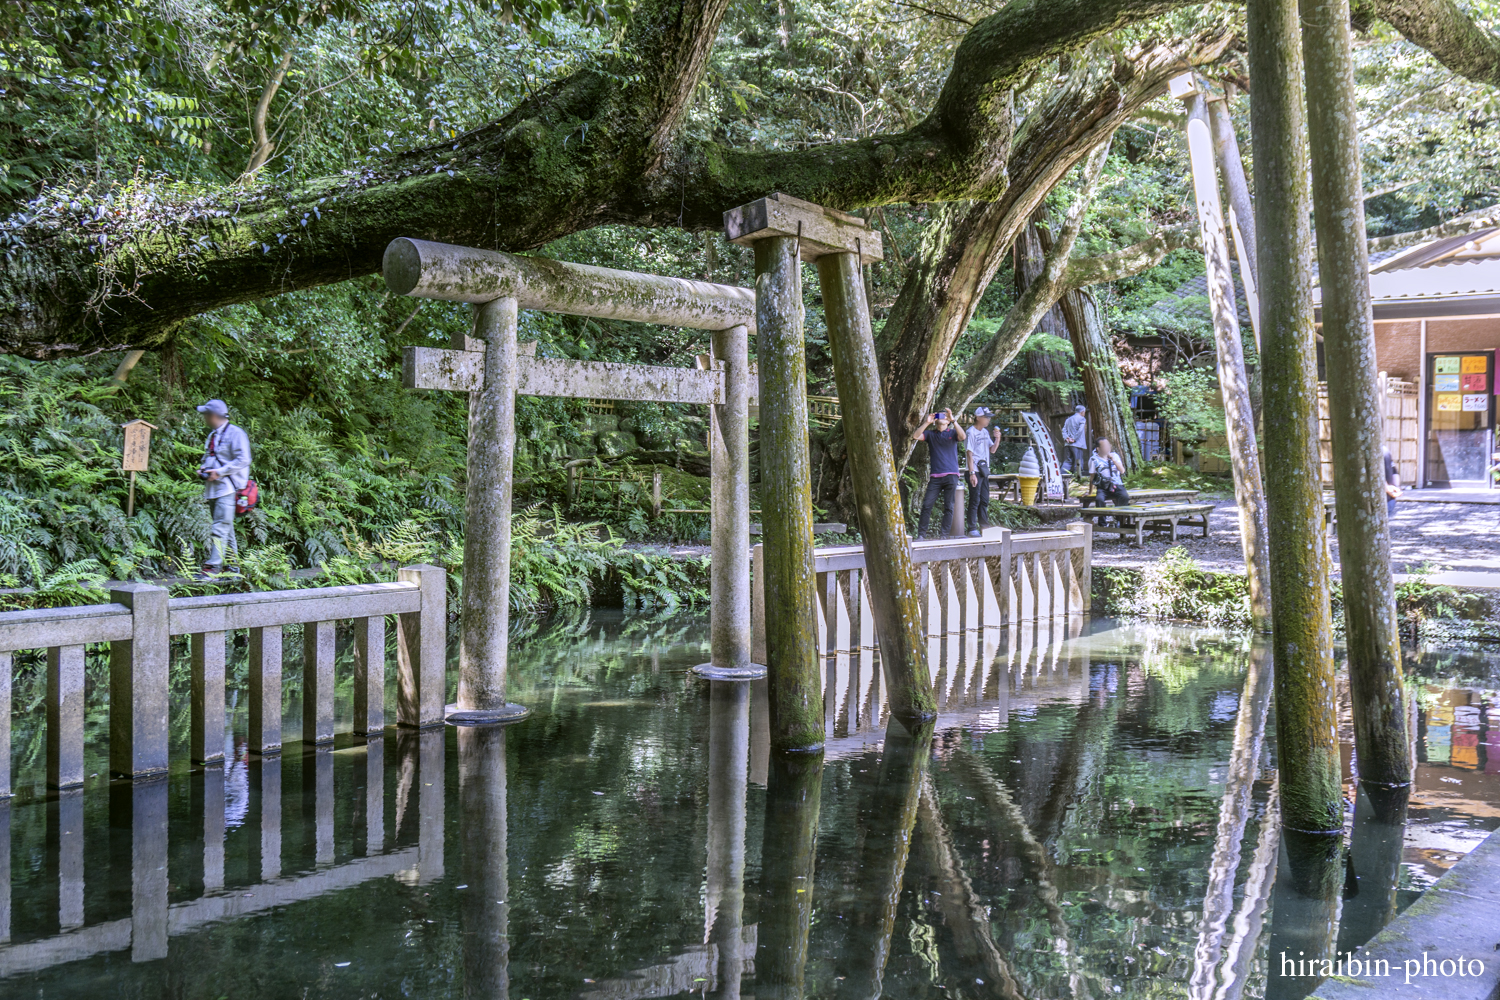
1107	473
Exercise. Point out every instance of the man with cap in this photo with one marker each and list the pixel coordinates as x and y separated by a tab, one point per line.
981	443
942	466
1075	433
224	470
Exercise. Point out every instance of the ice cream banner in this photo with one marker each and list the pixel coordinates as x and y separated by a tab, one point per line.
1447	402
1477	403
1477	383
1445	366
1445	383
1476	363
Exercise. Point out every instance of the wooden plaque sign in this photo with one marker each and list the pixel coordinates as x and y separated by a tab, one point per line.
137	456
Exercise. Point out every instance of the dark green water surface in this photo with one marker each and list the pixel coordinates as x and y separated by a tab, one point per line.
1092	817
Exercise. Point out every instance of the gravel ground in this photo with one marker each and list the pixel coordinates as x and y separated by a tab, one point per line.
1445	536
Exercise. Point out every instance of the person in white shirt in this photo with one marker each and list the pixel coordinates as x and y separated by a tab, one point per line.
1075	431
225	469
1108	475
980	444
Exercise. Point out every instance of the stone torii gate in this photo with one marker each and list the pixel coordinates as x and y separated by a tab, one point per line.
784	232
492	368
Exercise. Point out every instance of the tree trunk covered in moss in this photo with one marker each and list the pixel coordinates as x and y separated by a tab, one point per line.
1356	407
792	674
1301	629
872	466
1047	370
966	244
590	149
1099	368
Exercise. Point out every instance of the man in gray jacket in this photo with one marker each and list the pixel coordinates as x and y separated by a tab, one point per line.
224	470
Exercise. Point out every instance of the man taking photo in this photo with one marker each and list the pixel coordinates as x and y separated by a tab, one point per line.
225	469
942	462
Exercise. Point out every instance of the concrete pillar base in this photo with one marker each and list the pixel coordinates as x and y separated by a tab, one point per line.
710	672
485	717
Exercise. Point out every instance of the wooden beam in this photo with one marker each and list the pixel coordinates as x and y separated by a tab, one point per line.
459	371
818	230
465	274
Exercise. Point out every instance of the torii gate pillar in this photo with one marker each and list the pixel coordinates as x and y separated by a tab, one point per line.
784	232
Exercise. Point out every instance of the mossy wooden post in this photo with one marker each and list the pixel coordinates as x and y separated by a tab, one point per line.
724	878
872	467
1356	410
795	683
1234	384
485	638
1301	631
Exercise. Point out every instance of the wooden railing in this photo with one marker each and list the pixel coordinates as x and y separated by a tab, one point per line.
967	584
139	623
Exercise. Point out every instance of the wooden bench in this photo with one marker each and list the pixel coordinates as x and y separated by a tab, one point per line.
1142	516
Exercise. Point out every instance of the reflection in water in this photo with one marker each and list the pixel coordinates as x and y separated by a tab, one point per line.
728	770
794	792
1091	817
484	910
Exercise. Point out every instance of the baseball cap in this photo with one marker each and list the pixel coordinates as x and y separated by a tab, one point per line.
215	406
982	411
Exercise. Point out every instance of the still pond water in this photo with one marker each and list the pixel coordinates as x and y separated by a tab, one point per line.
1093	817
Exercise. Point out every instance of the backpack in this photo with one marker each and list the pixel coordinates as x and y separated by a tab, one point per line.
246	499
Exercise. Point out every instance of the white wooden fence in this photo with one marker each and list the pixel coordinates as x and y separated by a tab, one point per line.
139	623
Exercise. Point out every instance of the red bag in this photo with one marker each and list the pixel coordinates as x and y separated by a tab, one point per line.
247	498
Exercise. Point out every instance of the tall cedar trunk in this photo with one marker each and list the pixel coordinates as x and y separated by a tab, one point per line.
1099	368
1046	368
1355	406
1229	353
1301	630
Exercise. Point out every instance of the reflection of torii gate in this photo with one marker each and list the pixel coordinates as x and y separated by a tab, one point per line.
490	367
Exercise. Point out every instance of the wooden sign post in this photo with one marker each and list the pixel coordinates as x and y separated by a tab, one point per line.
136	457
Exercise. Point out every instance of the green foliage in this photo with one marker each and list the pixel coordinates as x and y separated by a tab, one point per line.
1190	403
1174	588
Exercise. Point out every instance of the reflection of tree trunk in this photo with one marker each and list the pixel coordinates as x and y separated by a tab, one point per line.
1375	853
1304	912
790	846
964	915
888	823
1011	829
1099	368
1239	949
1234	812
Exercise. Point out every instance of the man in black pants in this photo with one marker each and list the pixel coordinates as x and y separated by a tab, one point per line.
942	459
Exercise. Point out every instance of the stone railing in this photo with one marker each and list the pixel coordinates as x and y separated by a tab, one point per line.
139	623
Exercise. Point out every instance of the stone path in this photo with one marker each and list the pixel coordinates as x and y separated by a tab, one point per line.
1456	537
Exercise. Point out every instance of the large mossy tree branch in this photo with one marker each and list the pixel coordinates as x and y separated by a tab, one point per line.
584	151
1443	28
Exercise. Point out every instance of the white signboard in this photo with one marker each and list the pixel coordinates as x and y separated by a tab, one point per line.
1052	480
1476	402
